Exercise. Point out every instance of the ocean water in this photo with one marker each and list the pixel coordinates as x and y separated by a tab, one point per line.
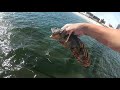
27	51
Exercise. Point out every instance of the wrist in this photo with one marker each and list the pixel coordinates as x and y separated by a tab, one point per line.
85	28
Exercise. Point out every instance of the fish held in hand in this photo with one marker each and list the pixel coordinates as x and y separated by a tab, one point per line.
73	43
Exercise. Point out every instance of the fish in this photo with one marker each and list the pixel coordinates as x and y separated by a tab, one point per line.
74	44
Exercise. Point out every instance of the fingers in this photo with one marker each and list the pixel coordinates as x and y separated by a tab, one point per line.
67	29
73	28
65	26
68	37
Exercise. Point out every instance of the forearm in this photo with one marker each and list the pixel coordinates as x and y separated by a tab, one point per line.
107	36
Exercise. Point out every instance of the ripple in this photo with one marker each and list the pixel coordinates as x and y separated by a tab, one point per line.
26	49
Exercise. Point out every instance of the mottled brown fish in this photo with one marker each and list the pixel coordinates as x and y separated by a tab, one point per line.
73	43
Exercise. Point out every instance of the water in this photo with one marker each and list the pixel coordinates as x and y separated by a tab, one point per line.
27	51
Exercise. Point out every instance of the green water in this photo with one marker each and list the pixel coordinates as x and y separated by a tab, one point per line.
27	51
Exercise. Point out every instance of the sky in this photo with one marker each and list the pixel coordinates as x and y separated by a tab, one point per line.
110	17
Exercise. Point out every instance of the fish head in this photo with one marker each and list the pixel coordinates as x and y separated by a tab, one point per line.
56	33
55	36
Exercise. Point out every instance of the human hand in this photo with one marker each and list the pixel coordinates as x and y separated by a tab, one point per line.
77	28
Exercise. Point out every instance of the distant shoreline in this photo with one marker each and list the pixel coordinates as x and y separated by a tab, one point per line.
87	18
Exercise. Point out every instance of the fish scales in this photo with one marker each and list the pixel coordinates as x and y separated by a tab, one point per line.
77	47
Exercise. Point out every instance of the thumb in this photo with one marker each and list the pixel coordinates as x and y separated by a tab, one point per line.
68	37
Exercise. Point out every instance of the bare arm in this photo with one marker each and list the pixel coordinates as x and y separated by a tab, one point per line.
108	36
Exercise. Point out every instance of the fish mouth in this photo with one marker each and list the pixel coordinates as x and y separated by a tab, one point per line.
51	36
